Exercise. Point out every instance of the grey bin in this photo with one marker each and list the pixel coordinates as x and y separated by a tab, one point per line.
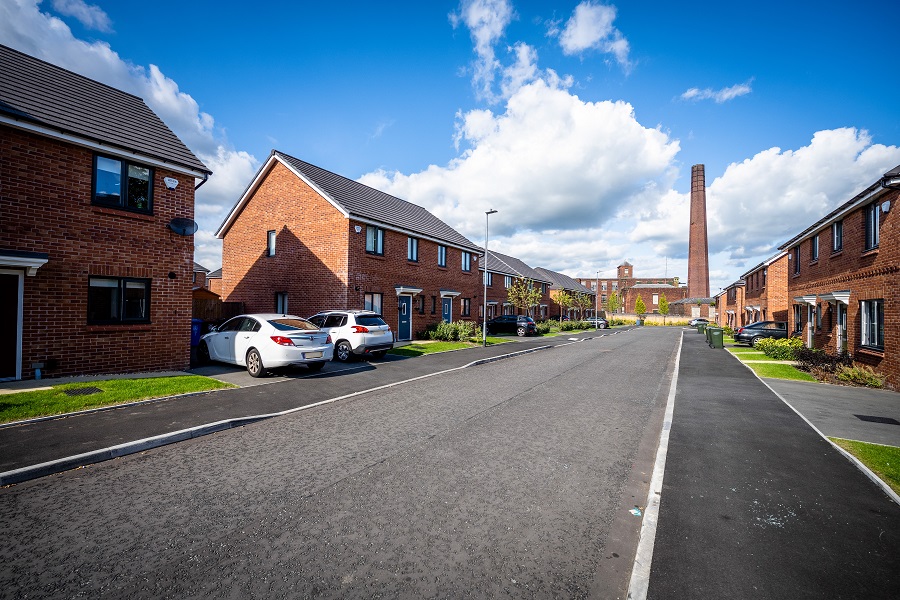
716	337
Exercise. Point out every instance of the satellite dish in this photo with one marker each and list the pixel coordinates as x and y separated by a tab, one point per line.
183	226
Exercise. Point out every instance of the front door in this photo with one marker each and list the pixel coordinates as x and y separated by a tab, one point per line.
447	309
841	328
404	327
810	324
9	325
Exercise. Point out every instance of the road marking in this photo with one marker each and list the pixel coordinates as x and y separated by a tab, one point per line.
640	572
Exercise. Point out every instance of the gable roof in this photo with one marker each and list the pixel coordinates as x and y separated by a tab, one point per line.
217	274
510	265
563	282
200	268
357	201
49	100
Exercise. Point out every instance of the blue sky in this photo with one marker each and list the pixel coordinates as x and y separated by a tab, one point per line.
578	121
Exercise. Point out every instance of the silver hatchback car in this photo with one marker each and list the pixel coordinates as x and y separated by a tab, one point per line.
355	333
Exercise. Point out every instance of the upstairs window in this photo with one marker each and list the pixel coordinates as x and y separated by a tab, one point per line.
374	240
488	279
118	300
814	248
507	281
466	261
412	249
123	184
270	243
442	256
837	236
872	233
795	256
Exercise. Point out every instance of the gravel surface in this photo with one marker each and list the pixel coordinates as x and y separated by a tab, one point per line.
501	480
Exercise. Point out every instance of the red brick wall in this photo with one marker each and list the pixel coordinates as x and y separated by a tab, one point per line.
45	203
868	275
767	288
215	285
321	261
698	247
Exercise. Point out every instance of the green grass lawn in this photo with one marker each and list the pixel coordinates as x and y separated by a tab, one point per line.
431	347
884	461
741	349
55	401
779	371
750	356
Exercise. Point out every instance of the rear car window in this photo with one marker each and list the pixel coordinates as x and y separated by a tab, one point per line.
335	321
289	324
370	320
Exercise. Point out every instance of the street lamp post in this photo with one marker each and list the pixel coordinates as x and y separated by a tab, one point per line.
487	215
597	302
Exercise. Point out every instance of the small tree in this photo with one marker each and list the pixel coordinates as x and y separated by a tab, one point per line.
523	294
582	302
564	300
612	303
663	307
639	307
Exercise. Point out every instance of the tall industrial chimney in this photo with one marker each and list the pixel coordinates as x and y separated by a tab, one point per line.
698	248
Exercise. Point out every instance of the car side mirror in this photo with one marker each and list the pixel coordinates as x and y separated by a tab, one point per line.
213	328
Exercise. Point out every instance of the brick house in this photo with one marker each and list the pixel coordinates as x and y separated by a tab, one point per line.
502	271
730	305
91	278
214	281
624	285
564	283
765	290
843	279
302	239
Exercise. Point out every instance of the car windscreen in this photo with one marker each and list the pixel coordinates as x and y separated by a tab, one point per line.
369	320
290	324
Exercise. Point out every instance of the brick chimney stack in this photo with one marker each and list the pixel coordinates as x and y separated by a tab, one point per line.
698	248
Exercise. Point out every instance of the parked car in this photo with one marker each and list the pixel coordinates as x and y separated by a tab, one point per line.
598	322
752	333
355	332
695	322
517	324
266	341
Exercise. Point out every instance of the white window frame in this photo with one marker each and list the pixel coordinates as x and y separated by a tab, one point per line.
373	301
442	256
412	249
374	240
871	316
466	262
837	236
814	248
271	237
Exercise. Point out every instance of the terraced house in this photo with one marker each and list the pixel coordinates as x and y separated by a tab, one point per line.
502	271
844	276
96	196
302	239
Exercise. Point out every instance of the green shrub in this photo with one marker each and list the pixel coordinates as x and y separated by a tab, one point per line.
727	330
544	327
780	349
860	375
452	332
819	361
573	325
613	322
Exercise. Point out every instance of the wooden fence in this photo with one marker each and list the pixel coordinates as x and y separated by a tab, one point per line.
213	311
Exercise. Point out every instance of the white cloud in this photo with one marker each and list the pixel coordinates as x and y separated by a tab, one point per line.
24	27
591	28
762	202
718	96
90	15
487	21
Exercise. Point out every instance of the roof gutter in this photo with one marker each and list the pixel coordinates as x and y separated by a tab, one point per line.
205	179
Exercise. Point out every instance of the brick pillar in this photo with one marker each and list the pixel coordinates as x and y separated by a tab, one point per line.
698	248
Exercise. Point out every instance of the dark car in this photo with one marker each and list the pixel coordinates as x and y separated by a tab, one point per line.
752	333
519	325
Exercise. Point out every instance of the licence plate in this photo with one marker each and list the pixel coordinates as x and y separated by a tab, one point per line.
312	355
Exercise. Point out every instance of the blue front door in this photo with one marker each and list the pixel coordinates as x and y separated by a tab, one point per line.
404	329
447	309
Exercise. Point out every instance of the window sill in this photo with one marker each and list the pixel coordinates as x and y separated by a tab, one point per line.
375	256
119	327
870	252
412	263
873	352
837	253
814	262
121	212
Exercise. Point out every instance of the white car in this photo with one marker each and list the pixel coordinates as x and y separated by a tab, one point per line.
267	341
355	333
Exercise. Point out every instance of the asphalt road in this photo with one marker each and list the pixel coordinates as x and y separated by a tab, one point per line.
508	479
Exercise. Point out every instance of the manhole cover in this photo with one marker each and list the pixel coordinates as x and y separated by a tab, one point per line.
885	420
85	391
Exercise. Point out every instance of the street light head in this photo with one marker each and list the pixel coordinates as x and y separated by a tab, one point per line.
490	212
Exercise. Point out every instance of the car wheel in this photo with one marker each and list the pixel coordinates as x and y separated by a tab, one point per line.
202	354
521	332
255	364
379	354
343	351
755	341
316	366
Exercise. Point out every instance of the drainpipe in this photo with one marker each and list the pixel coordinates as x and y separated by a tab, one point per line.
205	179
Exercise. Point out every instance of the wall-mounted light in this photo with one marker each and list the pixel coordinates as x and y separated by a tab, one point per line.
885	206
357	228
